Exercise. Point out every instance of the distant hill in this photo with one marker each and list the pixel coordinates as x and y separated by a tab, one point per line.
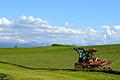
60	45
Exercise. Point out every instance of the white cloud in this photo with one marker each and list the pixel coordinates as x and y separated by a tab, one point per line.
30	29
67	23
21	40
30	20
2	38
4	21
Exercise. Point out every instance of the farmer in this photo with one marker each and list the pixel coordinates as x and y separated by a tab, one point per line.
90	53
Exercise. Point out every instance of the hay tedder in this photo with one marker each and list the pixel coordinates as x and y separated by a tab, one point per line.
86	61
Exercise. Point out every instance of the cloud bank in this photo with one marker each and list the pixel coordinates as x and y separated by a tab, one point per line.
25	29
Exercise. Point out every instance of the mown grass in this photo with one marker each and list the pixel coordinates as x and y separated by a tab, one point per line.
52	58
19	73
43	57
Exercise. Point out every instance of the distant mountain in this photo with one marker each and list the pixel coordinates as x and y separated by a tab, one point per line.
35	44
30	44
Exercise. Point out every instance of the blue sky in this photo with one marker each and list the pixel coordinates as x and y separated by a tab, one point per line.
80	13
82	22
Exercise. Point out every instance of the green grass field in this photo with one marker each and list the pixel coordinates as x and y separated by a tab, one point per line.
54	63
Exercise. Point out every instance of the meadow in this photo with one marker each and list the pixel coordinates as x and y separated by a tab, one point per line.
55	63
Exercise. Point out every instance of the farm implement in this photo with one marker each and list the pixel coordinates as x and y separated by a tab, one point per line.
86	61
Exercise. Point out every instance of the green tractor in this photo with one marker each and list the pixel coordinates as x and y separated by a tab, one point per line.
86	61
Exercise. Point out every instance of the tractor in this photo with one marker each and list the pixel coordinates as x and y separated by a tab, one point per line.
86	61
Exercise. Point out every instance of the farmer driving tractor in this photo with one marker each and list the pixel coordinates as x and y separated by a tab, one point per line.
87	61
